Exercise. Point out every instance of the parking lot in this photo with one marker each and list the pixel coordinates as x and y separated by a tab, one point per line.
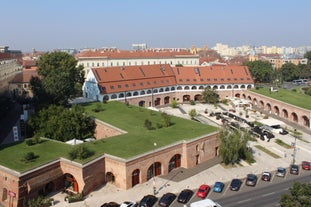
209	174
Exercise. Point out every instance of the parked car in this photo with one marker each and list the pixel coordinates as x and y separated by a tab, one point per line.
110	204
283	132
148	201
266	176
185	196
281	171
235	184
251	180
128	204
294	169
203	191
218	187
306	165
167	199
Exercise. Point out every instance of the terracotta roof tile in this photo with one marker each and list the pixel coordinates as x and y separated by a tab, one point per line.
129	78
217	74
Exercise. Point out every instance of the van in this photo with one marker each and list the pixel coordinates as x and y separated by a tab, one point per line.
205	203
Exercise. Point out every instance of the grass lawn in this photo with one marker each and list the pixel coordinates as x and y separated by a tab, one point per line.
267	151
138	140
291	97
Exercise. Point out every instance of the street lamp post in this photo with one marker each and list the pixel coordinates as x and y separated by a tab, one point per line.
294	153
154	182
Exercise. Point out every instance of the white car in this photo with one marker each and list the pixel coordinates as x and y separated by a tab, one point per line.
128	204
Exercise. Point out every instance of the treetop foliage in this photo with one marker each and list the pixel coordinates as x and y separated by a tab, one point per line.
59	123
60	78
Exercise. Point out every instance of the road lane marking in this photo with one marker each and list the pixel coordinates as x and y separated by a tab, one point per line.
268	194
246	200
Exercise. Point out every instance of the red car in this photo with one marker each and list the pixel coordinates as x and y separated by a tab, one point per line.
203	191
306	165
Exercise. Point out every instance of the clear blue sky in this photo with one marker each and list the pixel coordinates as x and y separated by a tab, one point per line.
50	24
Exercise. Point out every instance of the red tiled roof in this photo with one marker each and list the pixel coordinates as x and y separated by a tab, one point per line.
131	78
5	56
217	74
123	54
24	76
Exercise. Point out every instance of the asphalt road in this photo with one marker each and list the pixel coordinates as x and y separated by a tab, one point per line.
264	194
267	196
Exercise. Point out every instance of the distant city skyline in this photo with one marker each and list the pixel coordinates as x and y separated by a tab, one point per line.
51	24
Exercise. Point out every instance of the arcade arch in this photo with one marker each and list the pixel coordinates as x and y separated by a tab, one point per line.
175	162
135	177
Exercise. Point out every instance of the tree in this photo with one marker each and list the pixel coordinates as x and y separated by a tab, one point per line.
261	71
59	79
148	124
234	146
166	119
300	196
290	72
308	92
308	55
210	95
192	113
59	123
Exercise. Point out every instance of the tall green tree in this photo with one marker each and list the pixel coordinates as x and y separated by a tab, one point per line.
234	146
261	71
300	196
60	123
210	95
290	72
308	55
60	78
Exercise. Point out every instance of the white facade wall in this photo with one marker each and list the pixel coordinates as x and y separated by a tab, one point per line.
90	87
89	63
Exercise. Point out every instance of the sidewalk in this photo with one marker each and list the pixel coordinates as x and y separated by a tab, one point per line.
207	172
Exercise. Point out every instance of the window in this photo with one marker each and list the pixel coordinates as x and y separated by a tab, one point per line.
148	83
208	79
111	87
119	86
180	80
222	79
111	64
162	81
201	79
215	79
188	80
155	82
141	83
134	84
126	85
195	80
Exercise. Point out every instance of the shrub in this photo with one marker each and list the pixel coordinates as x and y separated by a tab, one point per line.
80	152
174	104
98	107
159	126
40	202
148	124
29	156
224	101
294	90
192	102
30	142
74	198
